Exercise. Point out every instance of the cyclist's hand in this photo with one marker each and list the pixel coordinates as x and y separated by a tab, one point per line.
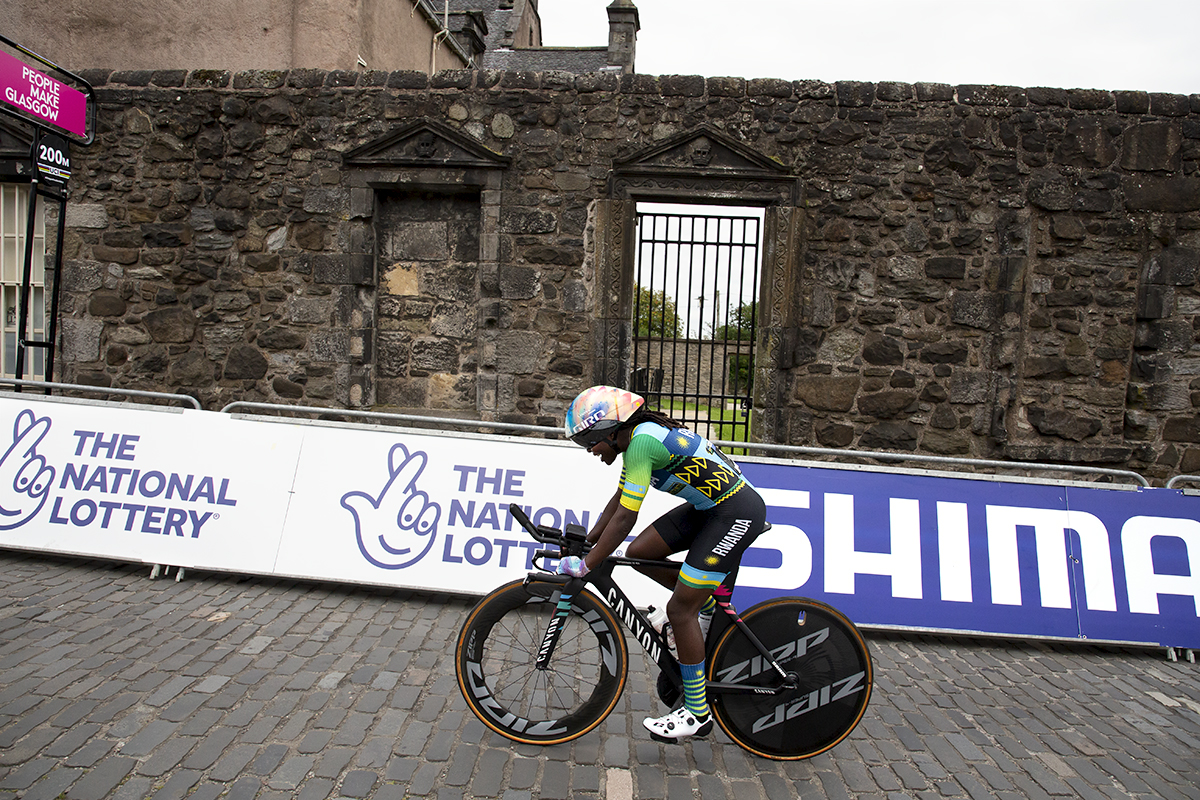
574	566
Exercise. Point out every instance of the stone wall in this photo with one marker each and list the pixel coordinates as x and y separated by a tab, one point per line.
982	271
696	367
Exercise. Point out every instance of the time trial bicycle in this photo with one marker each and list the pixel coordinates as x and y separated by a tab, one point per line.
543	660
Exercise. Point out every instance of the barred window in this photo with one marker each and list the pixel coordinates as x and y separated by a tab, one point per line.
14	210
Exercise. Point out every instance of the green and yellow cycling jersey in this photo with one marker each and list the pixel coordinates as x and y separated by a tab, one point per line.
677	461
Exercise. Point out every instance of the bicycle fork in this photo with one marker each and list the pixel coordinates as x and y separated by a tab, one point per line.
561	611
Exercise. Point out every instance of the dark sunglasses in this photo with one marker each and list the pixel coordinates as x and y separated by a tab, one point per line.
589	438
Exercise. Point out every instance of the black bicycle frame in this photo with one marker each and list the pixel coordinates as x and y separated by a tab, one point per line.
633	619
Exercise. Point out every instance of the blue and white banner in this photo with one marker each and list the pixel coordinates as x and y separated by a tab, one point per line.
1002	557
163	486
426	510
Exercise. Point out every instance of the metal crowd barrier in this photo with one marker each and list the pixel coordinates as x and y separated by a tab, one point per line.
555	432
385	416
951	461
946	460
76	387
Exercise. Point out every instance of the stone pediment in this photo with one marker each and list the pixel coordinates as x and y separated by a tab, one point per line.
703	164
426	144
704	149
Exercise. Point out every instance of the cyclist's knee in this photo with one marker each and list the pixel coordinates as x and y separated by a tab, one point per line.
685	604
636	550
648	545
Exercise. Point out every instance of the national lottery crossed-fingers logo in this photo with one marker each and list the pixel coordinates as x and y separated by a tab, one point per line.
397	527
25	477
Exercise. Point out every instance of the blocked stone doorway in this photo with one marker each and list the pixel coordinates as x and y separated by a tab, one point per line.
428	299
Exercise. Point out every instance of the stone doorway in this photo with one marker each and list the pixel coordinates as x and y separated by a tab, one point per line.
428	299
695	311
424	211
704	166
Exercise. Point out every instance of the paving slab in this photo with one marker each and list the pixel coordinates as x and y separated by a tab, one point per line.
114	685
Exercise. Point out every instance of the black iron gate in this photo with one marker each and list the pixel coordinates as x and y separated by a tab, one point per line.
694	317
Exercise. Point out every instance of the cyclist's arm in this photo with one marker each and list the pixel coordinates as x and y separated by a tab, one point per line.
638	461
618	526
605	516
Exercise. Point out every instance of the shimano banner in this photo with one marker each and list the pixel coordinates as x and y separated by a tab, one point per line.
423	510
1007	557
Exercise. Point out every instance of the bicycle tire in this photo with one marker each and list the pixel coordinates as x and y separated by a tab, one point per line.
828	655
495	663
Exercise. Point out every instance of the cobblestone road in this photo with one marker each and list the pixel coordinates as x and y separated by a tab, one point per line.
116	686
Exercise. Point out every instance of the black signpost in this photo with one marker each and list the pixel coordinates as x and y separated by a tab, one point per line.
59	105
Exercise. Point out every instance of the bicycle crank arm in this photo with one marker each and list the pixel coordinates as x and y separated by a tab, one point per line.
741	688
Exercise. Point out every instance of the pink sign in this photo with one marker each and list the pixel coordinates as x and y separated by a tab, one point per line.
41	96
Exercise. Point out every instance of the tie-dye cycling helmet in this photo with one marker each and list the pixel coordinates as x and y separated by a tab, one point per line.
596	412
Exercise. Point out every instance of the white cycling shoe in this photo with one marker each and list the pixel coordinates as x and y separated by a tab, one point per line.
680	724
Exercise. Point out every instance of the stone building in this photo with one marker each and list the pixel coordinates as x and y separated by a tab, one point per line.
981	271
150	39
238	34
426	35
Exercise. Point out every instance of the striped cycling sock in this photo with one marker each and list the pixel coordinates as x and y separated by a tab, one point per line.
710	605
694	696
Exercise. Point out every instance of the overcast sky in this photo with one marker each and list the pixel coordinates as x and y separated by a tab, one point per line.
1151	45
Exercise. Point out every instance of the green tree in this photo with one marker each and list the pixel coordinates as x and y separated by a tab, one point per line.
656	315
740	325
741	378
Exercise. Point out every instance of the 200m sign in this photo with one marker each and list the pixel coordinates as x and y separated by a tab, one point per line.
52	159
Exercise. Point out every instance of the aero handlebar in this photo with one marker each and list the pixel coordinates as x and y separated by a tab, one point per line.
571	542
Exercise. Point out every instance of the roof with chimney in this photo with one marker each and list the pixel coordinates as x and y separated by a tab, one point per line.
507	35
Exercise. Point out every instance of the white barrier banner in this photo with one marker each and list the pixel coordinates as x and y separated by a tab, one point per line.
429	511
163	486
359	504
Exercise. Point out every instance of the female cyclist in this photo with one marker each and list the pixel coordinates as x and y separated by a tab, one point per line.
722	515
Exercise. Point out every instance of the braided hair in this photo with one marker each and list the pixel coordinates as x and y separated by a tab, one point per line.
646	414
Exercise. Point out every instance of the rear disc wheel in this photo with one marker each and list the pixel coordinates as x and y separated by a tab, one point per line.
832	665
